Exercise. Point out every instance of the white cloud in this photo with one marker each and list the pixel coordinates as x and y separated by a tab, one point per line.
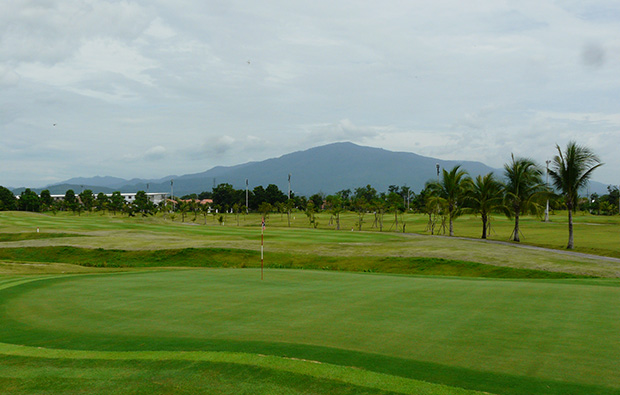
155	153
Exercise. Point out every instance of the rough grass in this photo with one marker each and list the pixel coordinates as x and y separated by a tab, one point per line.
4	237
116	233
234	258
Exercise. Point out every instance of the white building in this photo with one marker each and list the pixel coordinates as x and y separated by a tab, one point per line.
155	197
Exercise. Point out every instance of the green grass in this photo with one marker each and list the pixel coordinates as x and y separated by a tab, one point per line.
490	335
434	315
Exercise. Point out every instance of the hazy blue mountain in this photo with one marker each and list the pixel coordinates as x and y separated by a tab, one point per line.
327	169
60	189
109	182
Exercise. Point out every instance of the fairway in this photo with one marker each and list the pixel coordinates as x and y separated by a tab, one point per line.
479	334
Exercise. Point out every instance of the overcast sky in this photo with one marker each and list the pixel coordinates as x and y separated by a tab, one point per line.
153	88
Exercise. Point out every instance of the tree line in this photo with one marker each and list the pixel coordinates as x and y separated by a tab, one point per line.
522	190
519	191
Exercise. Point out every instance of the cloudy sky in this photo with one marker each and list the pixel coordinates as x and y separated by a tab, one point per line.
150	88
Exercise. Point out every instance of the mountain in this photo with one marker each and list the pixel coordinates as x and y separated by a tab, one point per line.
326	169
334	167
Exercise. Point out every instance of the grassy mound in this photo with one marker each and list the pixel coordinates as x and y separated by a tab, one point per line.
236	258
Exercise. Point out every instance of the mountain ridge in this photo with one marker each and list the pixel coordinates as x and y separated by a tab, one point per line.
327	168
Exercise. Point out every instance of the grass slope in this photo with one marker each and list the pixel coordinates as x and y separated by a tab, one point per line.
222	257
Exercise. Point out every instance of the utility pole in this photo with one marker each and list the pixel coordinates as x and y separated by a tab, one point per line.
172	193
547	184
289	185
246	196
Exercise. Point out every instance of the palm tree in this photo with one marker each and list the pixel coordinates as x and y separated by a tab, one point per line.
523	187
485	197
570	171
453	188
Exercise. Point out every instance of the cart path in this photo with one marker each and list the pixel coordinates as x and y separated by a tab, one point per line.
527	246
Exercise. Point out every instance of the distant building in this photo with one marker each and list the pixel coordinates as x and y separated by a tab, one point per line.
155	197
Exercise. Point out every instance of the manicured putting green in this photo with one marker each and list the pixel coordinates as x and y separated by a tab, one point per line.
562	333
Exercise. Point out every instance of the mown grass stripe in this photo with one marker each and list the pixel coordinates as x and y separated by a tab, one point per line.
12	282
349	375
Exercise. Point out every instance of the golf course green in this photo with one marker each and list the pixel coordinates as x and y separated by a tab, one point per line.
399	325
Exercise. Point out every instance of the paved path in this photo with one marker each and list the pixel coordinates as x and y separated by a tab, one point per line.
529	247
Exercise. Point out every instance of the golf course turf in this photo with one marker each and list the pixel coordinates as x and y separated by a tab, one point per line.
112	305
490	335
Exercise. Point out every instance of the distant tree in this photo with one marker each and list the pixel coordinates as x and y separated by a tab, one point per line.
360	205
236	208
368	193
395	204
129	209
437	209
379	206
317	200
274	195
452	188
570	171
204	210
345	195
46	199
101	202
8	201
117	202
264	209
205	195
70	201
183	208
523	189
257	197
485	197
418	204
143	205
311	214
300	202
225	196
335	207
193	207
29	201
606	204
88	199
362	202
